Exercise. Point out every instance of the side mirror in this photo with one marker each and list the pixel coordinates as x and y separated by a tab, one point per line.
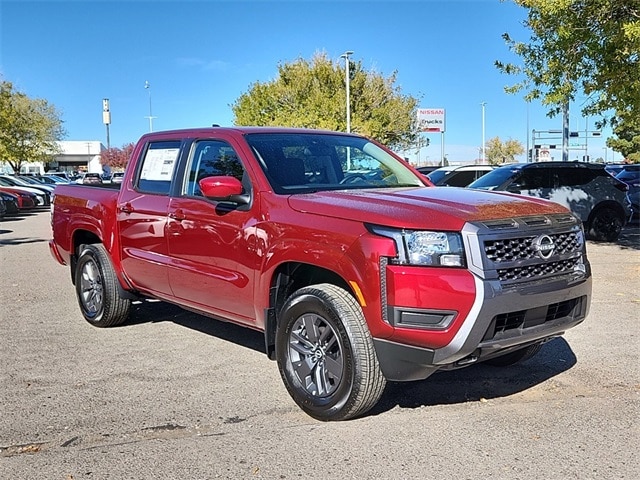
224	188
515	188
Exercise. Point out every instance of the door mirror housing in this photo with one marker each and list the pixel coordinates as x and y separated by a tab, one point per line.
223	188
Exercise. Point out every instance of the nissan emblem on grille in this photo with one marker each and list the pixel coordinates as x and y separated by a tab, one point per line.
544	246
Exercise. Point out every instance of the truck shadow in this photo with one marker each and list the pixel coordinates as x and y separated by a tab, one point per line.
479	382
155	311
475	383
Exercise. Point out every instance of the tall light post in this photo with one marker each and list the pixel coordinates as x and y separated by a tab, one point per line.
147	86
483	147
345	55
106	118
528	153
565	131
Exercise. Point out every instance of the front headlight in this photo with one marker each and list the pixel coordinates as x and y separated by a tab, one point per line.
424	247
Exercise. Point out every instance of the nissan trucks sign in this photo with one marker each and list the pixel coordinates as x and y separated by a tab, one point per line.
431	119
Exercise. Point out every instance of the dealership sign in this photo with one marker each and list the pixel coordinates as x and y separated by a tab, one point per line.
431	119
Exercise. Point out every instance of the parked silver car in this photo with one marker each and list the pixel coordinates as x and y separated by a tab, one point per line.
117	177
587	189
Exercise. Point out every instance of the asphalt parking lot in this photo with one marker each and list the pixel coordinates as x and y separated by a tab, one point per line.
173	395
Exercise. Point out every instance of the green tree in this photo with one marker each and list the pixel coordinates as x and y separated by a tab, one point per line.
312	94
29	128
497	151
588	46
627	135
117	158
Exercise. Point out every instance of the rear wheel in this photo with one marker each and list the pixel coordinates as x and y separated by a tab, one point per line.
97	288
325	354
516	356
605	225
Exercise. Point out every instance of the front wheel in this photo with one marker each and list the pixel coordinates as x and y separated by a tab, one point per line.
605	225
325	354
97	288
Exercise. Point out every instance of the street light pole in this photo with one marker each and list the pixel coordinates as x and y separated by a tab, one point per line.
147	86
565	131
483	148
528	153
106	118
345	55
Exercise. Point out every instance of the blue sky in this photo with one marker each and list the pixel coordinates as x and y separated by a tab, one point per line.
200	56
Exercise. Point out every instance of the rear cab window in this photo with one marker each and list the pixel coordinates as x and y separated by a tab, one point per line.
157	166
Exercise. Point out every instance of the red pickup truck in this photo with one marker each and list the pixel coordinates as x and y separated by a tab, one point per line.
354	267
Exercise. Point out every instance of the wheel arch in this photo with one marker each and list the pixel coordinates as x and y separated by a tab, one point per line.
83	237
606	222
80	237
287	278
606	204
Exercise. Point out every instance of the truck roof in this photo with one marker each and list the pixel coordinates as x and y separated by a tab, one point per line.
198	131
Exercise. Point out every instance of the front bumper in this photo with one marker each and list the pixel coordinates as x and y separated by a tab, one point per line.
527	280
503	320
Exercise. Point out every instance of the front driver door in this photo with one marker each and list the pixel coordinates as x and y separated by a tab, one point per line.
212	243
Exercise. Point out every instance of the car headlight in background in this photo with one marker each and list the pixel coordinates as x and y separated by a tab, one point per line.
424	247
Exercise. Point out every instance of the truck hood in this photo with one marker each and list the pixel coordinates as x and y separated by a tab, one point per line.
446	208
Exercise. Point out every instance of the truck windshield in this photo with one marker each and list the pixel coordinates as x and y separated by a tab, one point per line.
305	162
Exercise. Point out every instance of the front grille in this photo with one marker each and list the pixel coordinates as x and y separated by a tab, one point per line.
518	250
522	248
538	270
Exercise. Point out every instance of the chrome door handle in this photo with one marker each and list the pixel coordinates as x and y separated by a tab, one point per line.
125	208
177	215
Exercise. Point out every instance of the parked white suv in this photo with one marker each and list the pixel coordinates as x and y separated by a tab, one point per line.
587	189
458	176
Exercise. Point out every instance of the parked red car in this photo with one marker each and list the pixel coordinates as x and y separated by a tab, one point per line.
26	200
11	202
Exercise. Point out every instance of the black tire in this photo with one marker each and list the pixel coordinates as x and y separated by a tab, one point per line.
605	225
97	288
325	354
514	357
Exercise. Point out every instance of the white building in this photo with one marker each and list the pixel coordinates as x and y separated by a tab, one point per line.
75	156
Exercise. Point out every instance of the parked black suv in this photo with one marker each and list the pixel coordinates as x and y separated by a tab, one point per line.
587	189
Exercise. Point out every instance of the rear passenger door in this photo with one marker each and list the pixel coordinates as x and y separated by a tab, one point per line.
571	190
142	217
212	243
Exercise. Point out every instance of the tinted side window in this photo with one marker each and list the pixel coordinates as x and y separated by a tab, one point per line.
534	178
156	170
211	158
573	177
460	179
